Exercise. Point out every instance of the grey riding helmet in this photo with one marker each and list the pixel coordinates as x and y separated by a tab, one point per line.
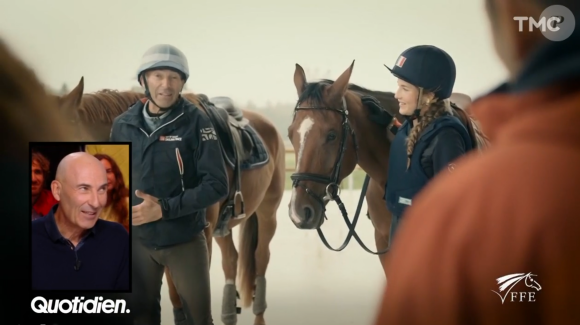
164	56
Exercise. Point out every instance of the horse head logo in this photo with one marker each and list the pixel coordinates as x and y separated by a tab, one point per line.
509	281
531	282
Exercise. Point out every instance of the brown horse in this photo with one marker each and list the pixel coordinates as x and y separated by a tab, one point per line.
261	185
27	108
335	127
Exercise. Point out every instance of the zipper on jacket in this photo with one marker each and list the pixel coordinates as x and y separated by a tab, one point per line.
161	126
180	165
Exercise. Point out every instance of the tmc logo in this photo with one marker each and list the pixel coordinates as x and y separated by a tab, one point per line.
556	23
549	23
509	281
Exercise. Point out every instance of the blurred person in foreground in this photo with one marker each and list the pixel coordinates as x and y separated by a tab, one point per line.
117	208
497	240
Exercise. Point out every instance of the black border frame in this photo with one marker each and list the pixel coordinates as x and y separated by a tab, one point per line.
77	318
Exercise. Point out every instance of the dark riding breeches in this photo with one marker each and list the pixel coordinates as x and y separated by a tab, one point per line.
189	267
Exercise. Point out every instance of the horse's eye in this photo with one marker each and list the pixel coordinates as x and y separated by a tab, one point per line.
331	136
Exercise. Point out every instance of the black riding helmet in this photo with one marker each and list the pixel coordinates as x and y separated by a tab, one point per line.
427	67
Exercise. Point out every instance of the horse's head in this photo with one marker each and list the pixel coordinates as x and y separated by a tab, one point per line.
91	115
532	283
69	105
324	145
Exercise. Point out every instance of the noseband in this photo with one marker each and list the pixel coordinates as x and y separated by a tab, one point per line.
332	182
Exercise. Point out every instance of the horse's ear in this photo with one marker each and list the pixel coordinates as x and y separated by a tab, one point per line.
74	98
299	79
339	87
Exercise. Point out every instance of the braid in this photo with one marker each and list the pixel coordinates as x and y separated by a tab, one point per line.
437	109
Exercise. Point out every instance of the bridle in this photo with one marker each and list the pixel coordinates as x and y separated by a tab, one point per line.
332	183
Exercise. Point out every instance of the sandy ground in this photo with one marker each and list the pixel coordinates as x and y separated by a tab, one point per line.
307	283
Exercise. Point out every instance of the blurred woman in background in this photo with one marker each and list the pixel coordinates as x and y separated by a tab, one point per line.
117	208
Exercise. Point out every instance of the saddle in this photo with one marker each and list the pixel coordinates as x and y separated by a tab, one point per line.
230	119
237	145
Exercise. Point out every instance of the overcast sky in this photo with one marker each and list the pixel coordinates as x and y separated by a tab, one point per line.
247	49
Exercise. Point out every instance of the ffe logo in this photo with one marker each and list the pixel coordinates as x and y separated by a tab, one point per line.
509	281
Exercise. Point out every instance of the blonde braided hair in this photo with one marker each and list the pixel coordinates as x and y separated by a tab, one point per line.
435	110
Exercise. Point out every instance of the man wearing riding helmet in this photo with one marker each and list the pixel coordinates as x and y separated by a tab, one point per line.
177	171
431	137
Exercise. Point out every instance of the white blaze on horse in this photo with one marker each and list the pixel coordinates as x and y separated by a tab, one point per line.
337	125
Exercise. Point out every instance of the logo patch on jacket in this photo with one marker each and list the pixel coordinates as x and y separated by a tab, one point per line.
208	134
169	138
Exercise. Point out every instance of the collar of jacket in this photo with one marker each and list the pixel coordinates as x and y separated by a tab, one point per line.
541	101
134	115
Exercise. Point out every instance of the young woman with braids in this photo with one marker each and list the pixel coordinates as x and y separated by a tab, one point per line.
117	208
432	137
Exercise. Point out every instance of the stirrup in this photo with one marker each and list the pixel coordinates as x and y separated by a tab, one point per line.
242	215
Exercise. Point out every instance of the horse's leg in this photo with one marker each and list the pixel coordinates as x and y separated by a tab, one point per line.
178	314
266	229
229	264
381	219
211	216
266	219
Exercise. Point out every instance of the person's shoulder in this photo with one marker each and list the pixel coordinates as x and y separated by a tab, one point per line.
112	230
38	226
189	106
133	109
502	176
193	111
447	122
40	238
449	132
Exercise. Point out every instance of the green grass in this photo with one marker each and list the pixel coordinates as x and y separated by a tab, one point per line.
358	175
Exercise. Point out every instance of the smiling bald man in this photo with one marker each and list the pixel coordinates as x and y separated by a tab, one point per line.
72	249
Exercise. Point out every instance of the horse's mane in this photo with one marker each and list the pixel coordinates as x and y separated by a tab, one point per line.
314	92
104	105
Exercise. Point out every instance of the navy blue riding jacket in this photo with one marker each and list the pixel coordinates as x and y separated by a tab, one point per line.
442	141
180	163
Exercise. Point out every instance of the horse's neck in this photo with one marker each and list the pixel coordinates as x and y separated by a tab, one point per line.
374	147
